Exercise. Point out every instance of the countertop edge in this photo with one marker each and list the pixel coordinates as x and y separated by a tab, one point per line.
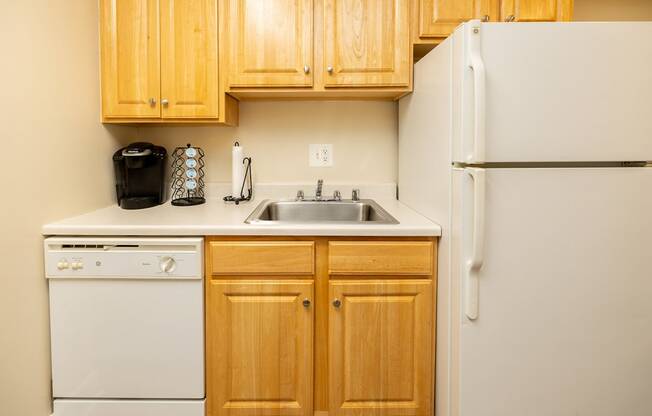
242	230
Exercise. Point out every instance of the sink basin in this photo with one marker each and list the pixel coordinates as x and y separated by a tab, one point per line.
364	211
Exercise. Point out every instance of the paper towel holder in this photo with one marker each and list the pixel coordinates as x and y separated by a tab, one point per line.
247	181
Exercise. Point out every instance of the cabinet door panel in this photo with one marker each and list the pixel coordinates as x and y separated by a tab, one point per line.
270	43
536	10
380	348
130	58
439	18
367	43
189	78
259	348
264	258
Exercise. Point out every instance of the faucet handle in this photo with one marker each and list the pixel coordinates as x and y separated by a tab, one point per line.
300	195
355	195
320	183
337	196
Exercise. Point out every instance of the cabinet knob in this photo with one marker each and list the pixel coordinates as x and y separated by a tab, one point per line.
510	18
165	102
306	303
306	69
329	69
337	303
152	102
485	18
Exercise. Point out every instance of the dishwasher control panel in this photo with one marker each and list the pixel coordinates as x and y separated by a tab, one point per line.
124	257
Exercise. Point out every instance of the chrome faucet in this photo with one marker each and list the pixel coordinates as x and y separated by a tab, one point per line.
320	183
355	195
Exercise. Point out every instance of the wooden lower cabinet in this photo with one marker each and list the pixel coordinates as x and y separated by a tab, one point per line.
303	326
380	348
259	337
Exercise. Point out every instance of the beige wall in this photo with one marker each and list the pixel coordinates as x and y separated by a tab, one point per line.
277	134
605	10
56	163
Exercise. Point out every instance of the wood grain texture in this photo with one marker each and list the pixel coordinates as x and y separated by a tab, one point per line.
439	18
537	10
321	326
381	258
130	66
259	339
261	258
269	43
380	348
189	74
359	94
228	108
322	299
367	43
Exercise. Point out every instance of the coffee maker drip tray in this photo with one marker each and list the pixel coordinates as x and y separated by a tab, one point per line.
138	202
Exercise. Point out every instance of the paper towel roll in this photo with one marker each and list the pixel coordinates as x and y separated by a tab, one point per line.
237	170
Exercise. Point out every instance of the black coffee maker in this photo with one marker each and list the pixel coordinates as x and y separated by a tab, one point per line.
139	175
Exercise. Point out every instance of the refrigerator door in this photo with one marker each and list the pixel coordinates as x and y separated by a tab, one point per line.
556	318
552	92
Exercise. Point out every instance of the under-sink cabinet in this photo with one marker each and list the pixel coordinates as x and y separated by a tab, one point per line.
309	325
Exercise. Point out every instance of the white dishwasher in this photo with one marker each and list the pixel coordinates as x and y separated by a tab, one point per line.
127	326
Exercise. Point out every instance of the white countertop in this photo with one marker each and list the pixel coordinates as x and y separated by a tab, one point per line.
217	218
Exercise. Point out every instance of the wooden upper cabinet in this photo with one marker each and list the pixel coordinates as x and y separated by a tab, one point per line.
270	43
189	75
367	43
259	358
439	18
130	67
536	10
380	348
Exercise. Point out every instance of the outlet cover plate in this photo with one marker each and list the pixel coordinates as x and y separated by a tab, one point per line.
320	155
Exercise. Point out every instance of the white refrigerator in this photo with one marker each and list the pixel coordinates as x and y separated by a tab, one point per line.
528	143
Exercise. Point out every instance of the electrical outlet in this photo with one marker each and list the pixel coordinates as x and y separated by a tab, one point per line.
320	155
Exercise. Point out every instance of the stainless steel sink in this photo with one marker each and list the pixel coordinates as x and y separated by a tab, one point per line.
364	211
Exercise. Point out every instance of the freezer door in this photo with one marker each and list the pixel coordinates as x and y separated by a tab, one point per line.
546	92
563	316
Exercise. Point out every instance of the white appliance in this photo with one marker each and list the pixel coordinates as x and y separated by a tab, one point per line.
527	142
127	326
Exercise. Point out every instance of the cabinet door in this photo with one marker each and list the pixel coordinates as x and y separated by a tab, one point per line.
130	58
259	348
367	43
189	76
380	348
270	43
536	10
439	18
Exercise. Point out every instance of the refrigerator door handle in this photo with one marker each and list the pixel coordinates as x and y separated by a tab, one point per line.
475	62
474	264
